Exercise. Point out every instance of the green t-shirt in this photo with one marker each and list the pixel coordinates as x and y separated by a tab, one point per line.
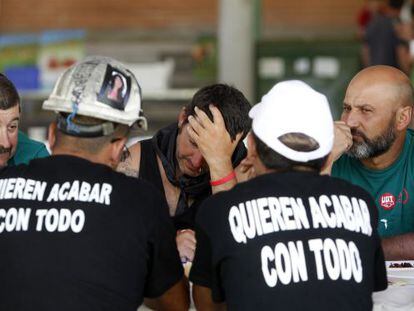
392	188
27	149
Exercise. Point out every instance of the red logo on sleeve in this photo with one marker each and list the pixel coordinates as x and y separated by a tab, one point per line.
387	201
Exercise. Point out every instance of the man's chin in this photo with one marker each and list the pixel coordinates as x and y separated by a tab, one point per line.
358	151
191	173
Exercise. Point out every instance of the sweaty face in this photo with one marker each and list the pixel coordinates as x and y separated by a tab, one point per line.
370	113
9	125
189	158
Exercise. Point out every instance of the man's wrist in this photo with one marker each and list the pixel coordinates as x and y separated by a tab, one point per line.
219	169
223	180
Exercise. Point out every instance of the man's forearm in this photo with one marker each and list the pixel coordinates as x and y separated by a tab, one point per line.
175	299
400	247
218	171
203	301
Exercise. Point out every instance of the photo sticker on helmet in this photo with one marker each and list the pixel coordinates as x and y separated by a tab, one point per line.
115	89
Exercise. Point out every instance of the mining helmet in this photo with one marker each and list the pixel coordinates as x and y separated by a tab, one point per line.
98	87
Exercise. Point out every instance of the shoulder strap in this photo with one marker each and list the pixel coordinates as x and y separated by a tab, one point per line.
148	169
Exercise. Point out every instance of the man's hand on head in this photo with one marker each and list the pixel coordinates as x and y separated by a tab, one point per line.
215	145
211	137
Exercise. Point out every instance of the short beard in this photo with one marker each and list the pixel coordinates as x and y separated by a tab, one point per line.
5	150
371	148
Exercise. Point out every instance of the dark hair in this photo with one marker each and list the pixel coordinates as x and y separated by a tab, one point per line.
232	104
296	141
396	4
8	93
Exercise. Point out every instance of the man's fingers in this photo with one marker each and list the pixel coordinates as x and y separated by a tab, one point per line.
202	117
187	234
217	116
195	124
189	240
192	133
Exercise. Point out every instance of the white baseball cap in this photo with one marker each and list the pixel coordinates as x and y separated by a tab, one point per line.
98	87
294	107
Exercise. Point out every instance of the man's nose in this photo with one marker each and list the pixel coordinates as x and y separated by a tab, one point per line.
351	119
197	160
4	140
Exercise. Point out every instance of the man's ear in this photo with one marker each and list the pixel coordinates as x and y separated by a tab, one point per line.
51	136
116	149
251	146
182	117
403	117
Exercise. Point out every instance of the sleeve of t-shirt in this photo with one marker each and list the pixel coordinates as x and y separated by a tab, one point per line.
164	265
201	269
203	272
380	274
42	152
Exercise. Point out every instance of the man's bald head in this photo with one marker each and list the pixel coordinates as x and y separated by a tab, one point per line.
378	106
391	82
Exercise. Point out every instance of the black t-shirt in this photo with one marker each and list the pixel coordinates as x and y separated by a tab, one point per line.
383	41
78	236
290	241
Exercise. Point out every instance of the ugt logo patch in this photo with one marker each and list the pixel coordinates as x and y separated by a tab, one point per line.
387	201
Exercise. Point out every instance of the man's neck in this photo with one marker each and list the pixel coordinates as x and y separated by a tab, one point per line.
261	169
388	158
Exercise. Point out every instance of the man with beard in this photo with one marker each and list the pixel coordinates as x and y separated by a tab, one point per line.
15	147
378	151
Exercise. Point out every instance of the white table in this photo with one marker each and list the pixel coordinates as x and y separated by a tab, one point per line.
396	297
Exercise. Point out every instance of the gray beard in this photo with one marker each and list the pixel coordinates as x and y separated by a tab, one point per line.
371	148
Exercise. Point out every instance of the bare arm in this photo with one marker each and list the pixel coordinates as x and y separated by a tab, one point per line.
400	247
203	301
130	166
215	144
174	299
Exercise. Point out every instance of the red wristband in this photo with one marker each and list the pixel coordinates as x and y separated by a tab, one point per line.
224	179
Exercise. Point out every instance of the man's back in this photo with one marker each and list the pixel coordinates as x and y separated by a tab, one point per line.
78	236
382	40
290	241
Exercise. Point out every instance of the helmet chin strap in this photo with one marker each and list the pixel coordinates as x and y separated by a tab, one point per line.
81	130
72	127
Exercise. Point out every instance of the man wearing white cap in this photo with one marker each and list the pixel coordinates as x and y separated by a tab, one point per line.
75	234
289	239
